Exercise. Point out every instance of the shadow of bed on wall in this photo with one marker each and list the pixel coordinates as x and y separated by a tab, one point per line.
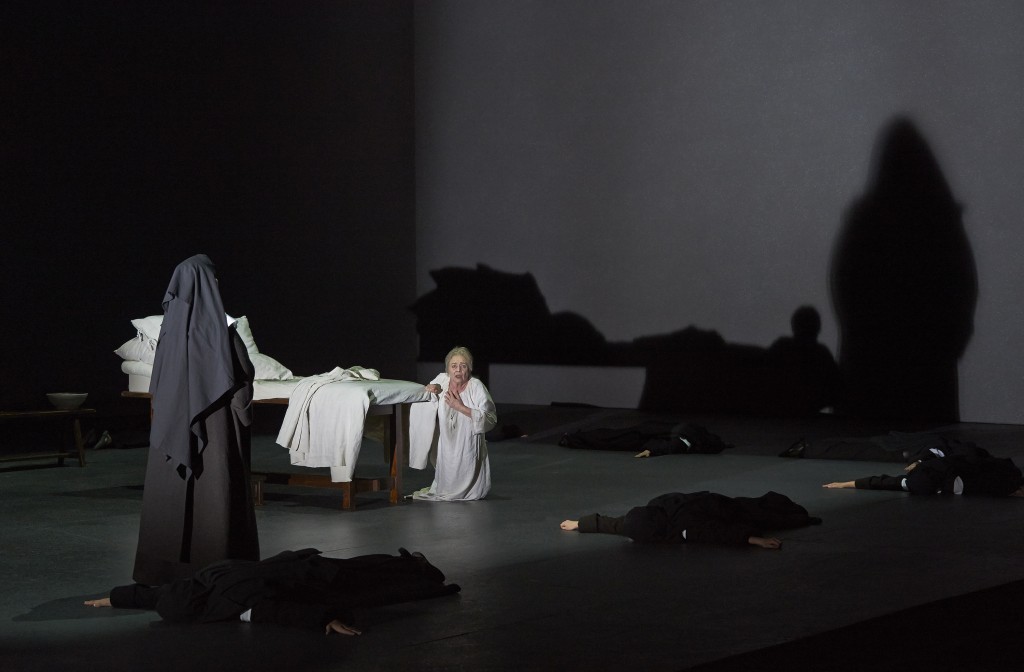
503	318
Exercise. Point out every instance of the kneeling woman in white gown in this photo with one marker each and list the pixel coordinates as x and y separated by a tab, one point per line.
449	432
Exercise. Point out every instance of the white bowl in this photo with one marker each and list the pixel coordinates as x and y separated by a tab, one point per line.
67	401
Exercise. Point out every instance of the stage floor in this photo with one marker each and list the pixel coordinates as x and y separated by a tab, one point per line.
886	582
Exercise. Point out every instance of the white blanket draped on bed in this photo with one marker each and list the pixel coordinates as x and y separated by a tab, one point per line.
323	426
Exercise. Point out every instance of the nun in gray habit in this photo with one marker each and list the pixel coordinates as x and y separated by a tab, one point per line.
197	505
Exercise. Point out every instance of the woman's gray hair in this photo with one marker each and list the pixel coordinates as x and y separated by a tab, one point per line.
459	350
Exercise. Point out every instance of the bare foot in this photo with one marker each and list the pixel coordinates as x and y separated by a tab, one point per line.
340	628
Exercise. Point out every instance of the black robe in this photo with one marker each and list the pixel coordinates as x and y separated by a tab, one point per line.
902	447
660	438
296	588
197	505
980	473
704	517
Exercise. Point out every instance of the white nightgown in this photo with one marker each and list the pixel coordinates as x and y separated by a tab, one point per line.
454	442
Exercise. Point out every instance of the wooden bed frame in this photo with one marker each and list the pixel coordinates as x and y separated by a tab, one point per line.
395	445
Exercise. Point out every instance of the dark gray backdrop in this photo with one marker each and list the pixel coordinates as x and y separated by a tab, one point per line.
661	164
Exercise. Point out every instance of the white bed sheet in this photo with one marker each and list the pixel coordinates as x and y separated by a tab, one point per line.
323	426
333	421
139	374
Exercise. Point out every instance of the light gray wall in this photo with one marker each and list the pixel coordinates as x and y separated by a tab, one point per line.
660	164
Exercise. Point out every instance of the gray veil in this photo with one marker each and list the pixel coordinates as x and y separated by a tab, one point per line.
192	368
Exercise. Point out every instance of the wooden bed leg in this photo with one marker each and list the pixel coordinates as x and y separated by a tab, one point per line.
76	428
346	496
256	480
397	453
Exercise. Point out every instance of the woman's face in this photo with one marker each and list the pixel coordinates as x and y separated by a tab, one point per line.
458	369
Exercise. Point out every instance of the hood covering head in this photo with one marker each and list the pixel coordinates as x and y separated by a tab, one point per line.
646	524
193	367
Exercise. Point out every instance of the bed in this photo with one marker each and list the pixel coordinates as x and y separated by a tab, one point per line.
325	418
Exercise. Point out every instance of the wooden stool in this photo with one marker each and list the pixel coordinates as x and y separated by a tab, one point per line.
50	416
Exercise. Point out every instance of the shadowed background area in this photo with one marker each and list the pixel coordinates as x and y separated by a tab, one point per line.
276	139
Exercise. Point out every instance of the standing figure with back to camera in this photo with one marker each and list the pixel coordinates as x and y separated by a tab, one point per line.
197	505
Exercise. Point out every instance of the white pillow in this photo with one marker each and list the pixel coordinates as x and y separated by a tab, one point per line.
242	327
137	368
138	349
268	368
149	327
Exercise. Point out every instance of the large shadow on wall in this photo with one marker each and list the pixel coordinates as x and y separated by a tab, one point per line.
904	287
503	317
697	370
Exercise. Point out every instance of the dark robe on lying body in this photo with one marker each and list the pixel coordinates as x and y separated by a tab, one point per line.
660	438
902	447
703	517
296	588
977	474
